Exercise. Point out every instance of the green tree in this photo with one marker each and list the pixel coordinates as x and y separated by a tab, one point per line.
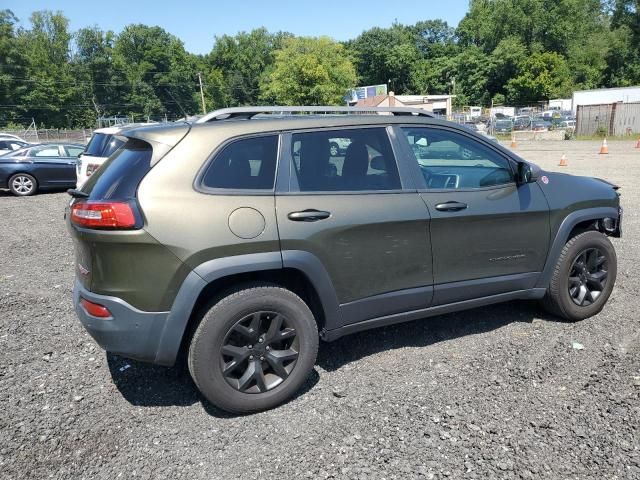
92	64
159	77
623	57
386	55
12	71
541	76
309	71
237	63
52	94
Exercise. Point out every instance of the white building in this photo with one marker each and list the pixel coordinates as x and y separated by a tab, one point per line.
562	104
605	96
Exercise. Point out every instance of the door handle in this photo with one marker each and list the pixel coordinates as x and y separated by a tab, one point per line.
451	206
308	215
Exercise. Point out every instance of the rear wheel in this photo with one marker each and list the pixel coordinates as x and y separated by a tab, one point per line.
583	278
23	184
254	349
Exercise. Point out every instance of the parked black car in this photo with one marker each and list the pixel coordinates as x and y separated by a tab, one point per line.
39	167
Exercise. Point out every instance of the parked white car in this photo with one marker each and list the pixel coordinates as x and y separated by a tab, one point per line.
9	145
10	136
103	144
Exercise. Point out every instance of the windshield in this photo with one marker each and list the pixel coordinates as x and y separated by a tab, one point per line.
503	123
102	145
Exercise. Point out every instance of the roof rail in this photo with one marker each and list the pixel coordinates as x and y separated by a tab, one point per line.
246	113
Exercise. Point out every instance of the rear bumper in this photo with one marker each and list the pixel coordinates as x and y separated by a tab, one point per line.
129	332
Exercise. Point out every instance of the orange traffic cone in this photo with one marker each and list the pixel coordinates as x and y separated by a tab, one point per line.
563	161
604	149
513	141
638	143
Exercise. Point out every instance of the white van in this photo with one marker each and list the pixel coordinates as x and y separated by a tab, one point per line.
103	143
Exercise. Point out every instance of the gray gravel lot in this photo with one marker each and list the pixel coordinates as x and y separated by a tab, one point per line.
497	392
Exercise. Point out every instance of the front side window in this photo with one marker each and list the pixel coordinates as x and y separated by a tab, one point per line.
450	160
247	164
344	160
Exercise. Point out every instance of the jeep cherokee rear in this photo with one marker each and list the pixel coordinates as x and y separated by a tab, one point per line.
243	239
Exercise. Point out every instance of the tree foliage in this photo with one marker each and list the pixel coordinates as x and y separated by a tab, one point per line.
308	71
513	51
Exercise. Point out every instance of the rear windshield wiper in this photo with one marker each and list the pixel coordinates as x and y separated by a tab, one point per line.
77	193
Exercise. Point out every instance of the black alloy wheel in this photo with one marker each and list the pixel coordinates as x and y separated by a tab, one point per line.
259	352
588	276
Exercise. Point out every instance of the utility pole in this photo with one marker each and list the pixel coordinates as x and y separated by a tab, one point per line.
204	108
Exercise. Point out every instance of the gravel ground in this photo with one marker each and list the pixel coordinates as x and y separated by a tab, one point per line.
499	392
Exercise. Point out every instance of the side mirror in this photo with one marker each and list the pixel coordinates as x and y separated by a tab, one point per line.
526	173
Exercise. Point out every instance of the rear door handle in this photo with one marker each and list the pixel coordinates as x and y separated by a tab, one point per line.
451	206
308	215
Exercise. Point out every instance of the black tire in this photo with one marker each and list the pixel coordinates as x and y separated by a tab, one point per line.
23	184
561	296
224	325
334	149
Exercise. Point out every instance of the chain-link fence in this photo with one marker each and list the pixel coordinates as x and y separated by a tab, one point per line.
44	135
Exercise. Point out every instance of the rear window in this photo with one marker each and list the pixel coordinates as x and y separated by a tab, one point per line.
103	145
118	178
246	164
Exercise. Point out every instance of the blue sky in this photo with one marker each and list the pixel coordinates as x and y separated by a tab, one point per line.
196	22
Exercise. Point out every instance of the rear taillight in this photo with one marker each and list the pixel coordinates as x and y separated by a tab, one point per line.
91	168
95	309
113	215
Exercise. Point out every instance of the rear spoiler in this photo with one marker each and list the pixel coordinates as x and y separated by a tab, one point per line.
161	137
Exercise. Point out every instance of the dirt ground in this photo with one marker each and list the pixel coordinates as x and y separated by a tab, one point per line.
505	391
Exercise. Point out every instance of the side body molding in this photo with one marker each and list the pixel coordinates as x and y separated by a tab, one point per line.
196	281
562	236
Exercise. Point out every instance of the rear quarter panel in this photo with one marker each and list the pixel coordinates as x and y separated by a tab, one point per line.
193	225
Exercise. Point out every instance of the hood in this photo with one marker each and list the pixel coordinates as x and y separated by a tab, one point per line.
571	191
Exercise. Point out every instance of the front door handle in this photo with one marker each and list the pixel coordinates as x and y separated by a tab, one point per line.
451	206
308	215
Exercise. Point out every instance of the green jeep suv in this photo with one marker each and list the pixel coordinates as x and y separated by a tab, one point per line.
243	238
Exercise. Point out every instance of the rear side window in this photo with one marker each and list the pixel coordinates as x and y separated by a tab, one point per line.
344	160
45	151
247	164
118	178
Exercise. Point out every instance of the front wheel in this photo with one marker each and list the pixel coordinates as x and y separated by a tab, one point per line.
583	278
254	349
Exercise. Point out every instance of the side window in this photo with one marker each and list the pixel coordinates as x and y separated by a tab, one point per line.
450	160
344	160
5	145
74	151
45	151
247	164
